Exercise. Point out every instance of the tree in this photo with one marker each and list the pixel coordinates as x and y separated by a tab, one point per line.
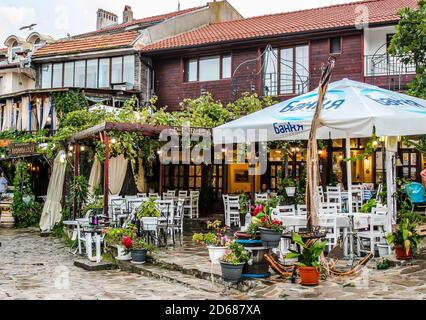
409	42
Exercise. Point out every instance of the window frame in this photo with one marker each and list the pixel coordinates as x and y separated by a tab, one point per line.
278	50
221	56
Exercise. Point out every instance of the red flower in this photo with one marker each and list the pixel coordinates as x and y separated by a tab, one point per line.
263	219
127	242
277	222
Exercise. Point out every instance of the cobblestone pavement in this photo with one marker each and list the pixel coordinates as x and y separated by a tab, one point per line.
32	267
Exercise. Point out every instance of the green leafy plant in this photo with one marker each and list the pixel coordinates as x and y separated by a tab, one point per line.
148	209
383	264
405	236
114	236
236	254
216	238
80	191
311	253
368	206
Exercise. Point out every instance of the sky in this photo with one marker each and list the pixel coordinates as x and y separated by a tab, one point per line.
59	17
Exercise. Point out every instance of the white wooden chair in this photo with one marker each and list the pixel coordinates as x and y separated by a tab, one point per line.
118	209
376	230
182	193
261	197
141	195
334	196
321	193
233	211
357	196
328	221
154	196
178	216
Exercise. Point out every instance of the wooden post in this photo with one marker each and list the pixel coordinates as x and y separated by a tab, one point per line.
106	175
76	173
160	184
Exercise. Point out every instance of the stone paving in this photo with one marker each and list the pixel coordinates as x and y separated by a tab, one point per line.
32	267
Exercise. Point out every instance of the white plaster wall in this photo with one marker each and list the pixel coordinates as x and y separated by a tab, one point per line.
375	39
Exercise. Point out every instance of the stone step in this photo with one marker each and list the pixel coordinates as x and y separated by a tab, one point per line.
211	276
156	272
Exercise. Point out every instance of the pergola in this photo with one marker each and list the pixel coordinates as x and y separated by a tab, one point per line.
101	132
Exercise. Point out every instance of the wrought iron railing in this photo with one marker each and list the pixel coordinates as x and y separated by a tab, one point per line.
386	65
288	84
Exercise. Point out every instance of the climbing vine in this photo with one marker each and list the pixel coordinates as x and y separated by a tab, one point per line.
69	101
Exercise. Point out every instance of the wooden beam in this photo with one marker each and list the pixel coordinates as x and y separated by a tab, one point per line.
106	174
76	173
252	184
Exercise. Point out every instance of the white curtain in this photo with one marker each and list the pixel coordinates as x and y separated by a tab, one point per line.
18	116
140	179
7	115
51	213
25	114
117	173
95	175
38	108
46	111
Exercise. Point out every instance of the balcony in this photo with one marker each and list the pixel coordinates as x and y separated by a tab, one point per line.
386	65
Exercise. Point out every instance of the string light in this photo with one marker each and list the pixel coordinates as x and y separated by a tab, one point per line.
113	140
70	147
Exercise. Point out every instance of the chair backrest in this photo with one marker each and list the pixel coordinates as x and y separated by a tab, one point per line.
170	193
130	197
380	211
154	196
168	197
333	189
261	197
415	191
183	193
327	211
357	188
141	195
273	195
166	207
194	193
233	203
118	203
302	210
289	210
179	208
114	198
133	205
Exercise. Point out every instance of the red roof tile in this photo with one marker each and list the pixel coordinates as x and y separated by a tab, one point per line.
146	20
342	15
101	42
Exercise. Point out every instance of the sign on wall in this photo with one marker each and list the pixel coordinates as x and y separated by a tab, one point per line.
22	149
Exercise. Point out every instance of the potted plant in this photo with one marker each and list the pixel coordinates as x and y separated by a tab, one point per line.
308	260
114	237
233	261
148	214
215	241
289	185
270	229
404	239
138	248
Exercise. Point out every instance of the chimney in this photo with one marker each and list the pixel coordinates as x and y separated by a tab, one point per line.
105	19
127	14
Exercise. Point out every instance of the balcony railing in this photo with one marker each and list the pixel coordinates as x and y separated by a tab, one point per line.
386	65
289	84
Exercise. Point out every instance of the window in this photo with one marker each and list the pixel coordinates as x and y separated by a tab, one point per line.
46	75
293	71
68	74
208	68
104	73
336	45
192	70
80	74
57	75
15	49
226	67
129	69
117	70
92	73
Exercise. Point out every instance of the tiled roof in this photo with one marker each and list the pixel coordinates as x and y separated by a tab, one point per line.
146	20
93	43
3	50
331	17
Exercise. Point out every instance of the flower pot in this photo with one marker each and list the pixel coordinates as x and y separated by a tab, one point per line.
122	255
401	254
216	253
384	249
138	256
231	272
290	191
270	238
309	276
149	223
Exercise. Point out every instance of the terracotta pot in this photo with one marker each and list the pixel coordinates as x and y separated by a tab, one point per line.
309	276
401	254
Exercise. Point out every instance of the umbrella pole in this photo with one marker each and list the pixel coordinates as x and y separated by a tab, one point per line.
349	174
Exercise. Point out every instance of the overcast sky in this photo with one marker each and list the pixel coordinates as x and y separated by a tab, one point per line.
59	17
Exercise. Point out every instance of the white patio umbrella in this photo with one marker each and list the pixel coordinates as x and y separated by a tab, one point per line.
351	110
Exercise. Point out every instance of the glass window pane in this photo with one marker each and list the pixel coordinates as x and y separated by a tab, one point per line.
46	76
226	67
335	45
69	74
191	182
129	70
92	73
198	170
191	170
302	69
80	74
270	73
209	68
198	183
191	70
104	73
57	75
287	71
117	70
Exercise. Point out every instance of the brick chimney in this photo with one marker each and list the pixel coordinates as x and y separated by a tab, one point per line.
105	19
127	14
